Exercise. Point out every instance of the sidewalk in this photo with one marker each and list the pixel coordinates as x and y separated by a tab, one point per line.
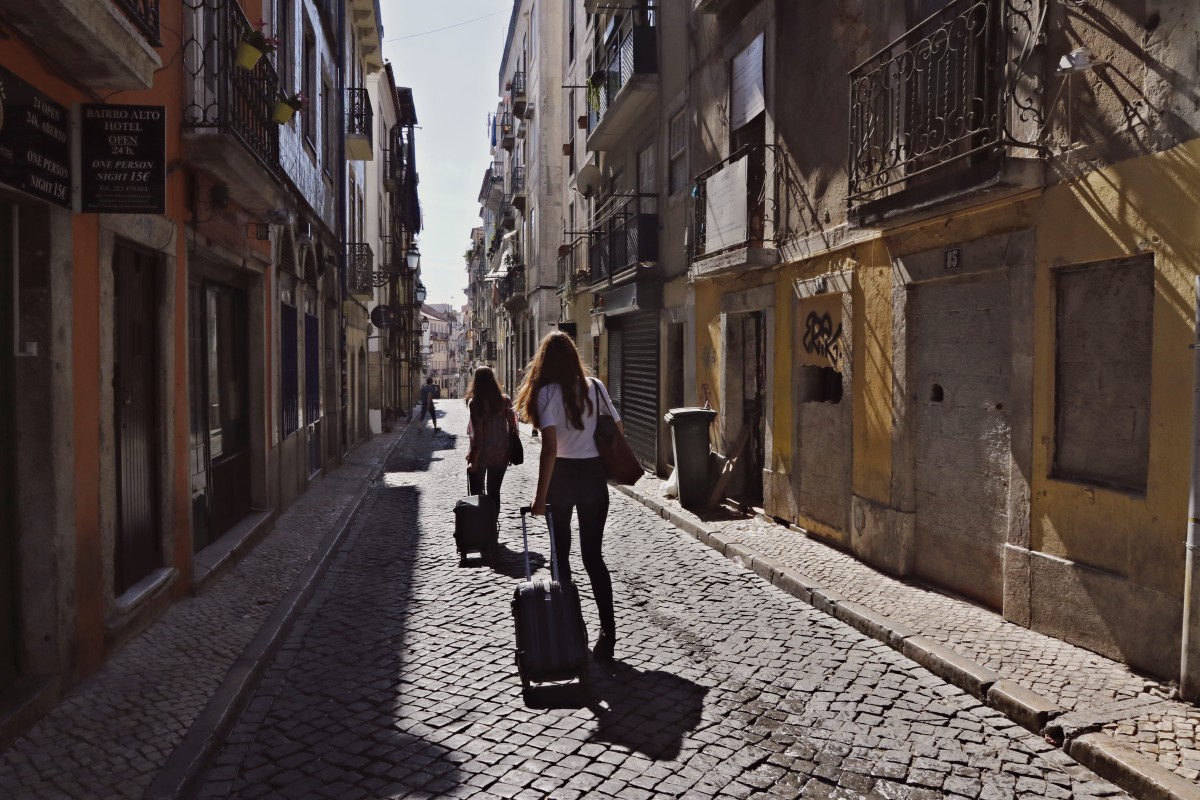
178	682
1123	726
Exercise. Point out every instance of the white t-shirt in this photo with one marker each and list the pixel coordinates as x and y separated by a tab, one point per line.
572	442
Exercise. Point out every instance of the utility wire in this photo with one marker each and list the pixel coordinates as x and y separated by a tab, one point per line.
448	27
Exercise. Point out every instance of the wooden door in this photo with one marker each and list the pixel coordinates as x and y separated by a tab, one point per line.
8	493
135	399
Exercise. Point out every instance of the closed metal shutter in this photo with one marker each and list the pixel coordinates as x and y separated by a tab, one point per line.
639	385
615	361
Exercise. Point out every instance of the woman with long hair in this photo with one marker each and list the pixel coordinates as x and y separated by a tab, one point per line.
492	418
560	400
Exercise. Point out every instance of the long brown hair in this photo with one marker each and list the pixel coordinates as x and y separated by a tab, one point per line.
484	397
556	362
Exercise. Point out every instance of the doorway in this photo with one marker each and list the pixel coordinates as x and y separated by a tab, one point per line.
8	477
754	380
135	355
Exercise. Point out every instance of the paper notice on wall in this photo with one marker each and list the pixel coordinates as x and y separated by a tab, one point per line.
747	98
725	207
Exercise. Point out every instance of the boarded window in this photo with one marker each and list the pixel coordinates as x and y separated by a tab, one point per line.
1105	320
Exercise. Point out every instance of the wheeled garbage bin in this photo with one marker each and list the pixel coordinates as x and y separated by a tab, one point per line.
689	441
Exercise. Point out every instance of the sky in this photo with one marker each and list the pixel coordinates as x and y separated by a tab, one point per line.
452	73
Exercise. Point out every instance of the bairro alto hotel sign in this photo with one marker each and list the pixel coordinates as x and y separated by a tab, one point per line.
122	159
35	142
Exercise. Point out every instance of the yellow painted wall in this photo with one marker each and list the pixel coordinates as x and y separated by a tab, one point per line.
1138	206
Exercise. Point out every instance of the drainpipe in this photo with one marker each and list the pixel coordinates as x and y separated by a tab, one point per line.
343	227
1189	669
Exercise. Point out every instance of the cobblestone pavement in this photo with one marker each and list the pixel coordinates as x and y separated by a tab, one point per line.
398	679
113	731
1136	710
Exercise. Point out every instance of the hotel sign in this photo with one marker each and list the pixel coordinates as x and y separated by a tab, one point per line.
122	159
35	136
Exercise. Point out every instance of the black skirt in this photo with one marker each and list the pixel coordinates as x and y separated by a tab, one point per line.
577	482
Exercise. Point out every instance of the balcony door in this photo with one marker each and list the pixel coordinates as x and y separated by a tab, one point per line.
8	476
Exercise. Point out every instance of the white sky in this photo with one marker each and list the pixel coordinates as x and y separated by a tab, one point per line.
453	77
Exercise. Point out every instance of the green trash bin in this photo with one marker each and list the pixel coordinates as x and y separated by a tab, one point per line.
689	441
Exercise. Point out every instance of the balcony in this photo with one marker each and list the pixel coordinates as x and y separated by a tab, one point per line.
507	134
945	113
517	184
391	171
508	219
625	83
625	236
103	44
360	126
517	93
573	266
511	289
732	225
227	127
360	263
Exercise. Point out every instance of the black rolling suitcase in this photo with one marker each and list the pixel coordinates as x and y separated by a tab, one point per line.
476	526
551	637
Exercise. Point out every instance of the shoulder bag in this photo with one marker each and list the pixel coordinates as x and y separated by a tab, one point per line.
516	450
621	466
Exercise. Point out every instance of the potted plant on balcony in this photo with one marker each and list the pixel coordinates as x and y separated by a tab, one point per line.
254	45
594	82
286	107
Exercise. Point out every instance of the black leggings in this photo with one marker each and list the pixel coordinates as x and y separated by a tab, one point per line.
592	517
491	477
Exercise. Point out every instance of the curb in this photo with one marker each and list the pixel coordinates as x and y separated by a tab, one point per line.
1102	754
186	765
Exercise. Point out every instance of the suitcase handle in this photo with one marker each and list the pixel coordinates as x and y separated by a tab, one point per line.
525	536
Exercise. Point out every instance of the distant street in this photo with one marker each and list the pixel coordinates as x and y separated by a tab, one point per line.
398	680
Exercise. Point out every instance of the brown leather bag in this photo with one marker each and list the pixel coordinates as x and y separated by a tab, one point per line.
621	466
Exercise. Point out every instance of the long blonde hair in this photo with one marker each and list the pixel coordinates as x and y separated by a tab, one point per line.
556	362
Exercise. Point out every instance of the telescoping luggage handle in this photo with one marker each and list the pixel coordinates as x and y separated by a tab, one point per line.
525	535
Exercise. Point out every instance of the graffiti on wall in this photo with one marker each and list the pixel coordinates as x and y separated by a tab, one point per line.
823	338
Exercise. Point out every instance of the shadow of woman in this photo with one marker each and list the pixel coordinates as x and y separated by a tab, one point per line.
649	712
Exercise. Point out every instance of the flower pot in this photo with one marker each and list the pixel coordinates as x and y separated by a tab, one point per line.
247	56
582	121
282	113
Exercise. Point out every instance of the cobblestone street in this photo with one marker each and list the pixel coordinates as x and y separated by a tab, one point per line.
398	678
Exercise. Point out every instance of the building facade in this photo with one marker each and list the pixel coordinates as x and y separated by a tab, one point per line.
928	262
179	359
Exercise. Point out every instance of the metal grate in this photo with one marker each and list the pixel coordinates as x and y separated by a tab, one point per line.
144	16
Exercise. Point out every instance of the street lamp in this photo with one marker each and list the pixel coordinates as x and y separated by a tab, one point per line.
413	257
420	293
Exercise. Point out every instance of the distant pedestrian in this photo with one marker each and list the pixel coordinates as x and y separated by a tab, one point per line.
428	392
492	418
559	398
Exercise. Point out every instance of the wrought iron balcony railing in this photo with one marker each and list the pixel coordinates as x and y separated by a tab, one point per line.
517	181
360	262
517	93
573	265
143	14
360	125
946	92
630	52
223	98
504	125
625	236
742	179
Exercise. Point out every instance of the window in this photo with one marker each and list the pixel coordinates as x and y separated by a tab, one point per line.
678	177
308	85
571	35
283	32
1103	351
289	368
329	105
647	185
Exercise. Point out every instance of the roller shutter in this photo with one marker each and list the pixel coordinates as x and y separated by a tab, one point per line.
639	384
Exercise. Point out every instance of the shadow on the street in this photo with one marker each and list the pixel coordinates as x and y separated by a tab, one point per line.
512	562
650	712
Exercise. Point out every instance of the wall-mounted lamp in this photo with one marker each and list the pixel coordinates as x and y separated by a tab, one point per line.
413	257
280	216
1078	60
304	239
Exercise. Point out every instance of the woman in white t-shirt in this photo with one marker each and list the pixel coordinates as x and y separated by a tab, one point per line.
558	398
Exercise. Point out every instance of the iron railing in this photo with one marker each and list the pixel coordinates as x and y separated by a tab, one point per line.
517	92
631	50
360	262
573	265
144	16
504	124
945	92
222	97
756	200
497	170
517	181
626	234
360	118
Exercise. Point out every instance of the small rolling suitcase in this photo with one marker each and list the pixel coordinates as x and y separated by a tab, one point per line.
551	637
476	526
